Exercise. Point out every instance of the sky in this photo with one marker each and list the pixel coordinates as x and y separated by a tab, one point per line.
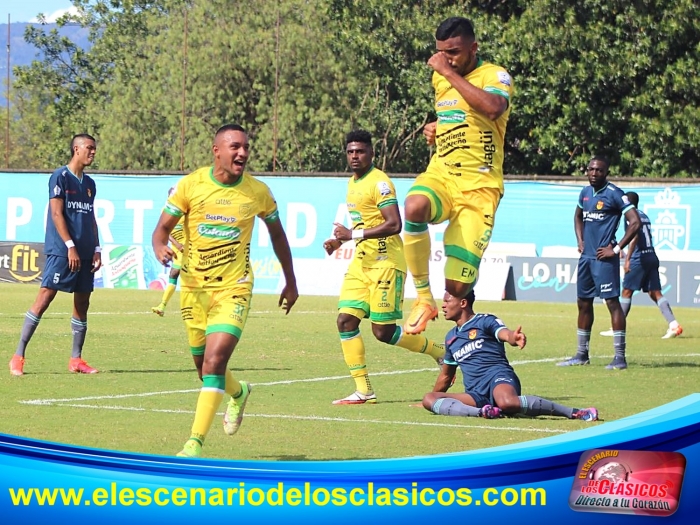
26	10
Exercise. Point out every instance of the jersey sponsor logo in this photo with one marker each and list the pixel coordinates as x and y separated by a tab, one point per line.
467	349
593	216
472	334
501	323
81	207
486	138
224	202
384	188
355	216
599	205
56	190
447	103
222	218
504	78
216	231
452	116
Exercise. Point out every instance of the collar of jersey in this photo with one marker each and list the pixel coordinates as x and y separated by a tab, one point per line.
79	179
370	170
601	189
459	328
211	174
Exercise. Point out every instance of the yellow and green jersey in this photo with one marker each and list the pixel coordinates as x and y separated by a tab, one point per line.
365	199
218	225
469	144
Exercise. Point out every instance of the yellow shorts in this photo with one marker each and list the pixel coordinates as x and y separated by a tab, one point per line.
471	216
209	312
376	293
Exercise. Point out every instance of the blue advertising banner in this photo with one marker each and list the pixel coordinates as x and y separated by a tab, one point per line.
128	208
644	465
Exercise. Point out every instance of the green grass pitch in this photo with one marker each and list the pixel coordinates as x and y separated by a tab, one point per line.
143	399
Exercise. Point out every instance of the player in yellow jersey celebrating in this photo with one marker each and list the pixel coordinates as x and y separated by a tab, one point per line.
463	182
374	283
177	240
219	205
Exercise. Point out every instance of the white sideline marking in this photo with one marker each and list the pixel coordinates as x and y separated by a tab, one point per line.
293	381
270	383
321	418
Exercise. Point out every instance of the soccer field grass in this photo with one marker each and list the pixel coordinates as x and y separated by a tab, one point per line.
144	398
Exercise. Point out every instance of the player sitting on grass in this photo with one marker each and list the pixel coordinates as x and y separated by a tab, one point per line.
491	387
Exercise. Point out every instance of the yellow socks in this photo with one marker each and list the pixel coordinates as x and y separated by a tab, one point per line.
354	354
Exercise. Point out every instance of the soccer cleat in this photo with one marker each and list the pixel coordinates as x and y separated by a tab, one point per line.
421	312
490	412
77	365
586	414
159	310
233	417
17	365
618	363
356	398
577	360
192	449
608	333
673	332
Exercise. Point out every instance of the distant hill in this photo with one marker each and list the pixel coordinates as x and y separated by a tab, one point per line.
22	53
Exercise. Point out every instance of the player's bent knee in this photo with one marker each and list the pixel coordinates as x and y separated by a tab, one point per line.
383	332
417	208
429	400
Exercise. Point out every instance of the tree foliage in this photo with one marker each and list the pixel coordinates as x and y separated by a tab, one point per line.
591	76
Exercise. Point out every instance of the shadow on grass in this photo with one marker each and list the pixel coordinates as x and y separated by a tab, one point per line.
653	364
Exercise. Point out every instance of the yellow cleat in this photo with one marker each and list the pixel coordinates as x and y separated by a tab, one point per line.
159	310
192	449
421	312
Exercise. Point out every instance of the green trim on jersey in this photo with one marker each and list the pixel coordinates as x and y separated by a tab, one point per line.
390	202
173	210
274	216
370	170
463	255
496	91
211	174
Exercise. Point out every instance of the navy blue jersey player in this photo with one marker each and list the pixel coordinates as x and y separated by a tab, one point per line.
491	387
642	273
72	251
600	207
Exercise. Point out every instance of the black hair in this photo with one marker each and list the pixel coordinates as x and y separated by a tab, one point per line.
229	127
634	198
453	27
601	158
76	138
359	135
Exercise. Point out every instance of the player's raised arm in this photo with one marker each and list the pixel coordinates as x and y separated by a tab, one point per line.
280	245
513	337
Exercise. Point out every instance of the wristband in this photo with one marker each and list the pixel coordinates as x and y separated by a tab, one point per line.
69	243
98	249
358	234
616	249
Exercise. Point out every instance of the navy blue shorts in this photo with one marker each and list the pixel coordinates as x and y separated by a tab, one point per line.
483	392
57	276
598	278
643	275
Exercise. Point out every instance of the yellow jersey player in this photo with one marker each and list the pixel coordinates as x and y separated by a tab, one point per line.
463	182
177	242
219	205
374	283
